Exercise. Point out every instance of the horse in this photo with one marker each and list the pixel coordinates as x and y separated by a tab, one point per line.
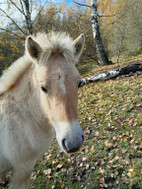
38	101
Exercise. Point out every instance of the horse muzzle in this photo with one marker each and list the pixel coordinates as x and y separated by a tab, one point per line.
72	146
69	136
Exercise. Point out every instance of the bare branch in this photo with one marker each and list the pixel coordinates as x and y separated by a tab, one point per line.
12	21
22	12
97	14
84	5
40	11
22	5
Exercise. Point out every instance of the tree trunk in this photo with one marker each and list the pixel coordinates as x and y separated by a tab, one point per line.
28	16
97	36
24	9
124	71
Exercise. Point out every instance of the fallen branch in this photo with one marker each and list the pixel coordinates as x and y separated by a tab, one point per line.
127	70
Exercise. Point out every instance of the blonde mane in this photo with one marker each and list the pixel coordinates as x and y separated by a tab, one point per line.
59	43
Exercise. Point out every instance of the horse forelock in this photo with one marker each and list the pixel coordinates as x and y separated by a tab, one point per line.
54	44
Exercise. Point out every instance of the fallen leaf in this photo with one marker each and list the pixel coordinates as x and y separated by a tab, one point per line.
132	171
62	186
116	158
47	171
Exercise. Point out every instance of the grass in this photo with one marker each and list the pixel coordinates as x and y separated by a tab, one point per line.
111	157
110	113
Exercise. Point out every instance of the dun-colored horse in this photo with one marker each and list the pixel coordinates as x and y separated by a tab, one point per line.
38	100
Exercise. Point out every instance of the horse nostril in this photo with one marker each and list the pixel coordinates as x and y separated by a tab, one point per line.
82	138
71	147
64	145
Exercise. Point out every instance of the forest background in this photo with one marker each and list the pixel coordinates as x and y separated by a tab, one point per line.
120	24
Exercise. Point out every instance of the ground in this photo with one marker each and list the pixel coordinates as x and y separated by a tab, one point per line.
110	113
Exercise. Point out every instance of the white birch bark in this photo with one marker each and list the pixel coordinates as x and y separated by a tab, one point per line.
102	57
25	10
94	18
28	16
124	71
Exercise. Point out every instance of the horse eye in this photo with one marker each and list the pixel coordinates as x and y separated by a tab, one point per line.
44	89
79	85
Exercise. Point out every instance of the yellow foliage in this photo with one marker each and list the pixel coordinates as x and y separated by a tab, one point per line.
1	57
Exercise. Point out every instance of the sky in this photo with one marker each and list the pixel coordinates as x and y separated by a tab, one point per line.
59	1
67	1
4	21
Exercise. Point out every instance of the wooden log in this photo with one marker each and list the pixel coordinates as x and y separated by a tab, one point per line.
130	69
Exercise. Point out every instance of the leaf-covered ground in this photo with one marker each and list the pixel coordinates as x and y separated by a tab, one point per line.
110	114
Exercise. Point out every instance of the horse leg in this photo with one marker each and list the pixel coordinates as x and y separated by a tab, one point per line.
20	179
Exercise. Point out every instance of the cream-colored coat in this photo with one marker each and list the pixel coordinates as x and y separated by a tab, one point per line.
33	108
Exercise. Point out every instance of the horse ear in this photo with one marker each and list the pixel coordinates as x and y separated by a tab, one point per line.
78	43
33	48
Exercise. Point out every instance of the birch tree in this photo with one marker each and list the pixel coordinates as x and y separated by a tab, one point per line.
27	14
24	9
102	56
97	36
